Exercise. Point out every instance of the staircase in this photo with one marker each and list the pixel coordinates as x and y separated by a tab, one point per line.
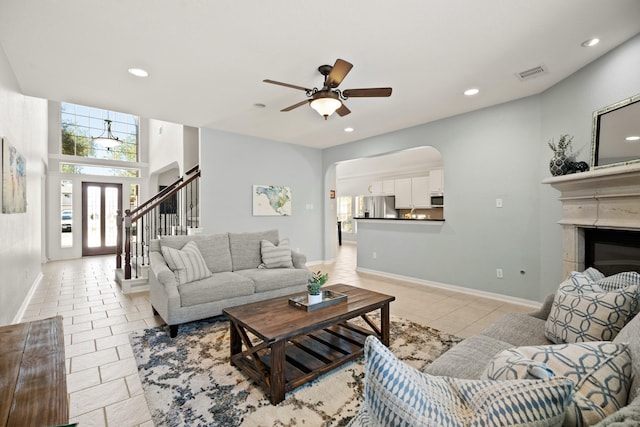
175	210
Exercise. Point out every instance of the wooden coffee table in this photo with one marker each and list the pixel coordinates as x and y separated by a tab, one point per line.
282	347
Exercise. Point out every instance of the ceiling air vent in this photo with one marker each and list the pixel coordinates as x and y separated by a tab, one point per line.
532	73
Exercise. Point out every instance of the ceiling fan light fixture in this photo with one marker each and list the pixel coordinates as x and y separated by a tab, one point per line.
107	141
326	105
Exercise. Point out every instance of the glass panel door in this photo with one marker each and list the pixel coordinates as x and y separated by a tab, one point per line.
101	203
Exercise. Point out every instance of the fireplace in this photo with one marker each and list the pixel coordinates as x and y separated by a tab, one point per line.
612	251
604	205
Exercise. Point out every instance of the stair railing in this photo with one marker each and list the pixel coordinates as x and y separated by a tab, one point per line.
173	210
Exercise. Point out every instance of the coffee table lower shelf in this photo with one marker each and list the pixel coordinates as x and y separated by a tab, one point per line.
306	357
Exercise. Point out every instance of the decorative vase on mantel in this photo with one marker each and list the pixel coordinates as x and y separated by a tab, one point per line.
560	162
313	286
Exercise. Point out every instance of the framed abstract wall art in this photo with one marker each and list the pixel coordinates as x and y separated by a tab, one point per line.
14	179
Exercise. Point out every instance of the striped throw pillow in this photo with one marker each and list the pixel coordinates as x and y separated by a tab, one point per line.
187	263
276	256
397	394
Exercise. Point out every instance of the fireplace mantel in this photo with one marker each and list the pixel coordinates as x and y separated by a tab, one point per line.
603	198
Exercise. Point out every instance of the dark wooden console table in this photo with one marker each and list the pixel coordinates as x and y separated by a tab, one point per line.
33	384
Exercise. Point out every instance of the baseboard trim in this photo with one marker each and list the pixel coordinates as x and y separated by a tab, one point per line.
461	289
27	299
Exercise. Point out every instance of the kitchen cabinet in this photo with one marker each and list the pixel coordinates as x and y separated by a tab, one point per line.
376	188
412	193
389	187
420	196
436	181
403	193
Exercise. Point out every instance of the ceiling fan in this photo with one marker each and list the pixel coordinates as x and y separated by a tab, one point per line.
328	100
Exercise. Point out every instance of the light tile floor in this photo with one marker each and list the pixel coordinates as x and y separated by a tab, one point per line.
103	383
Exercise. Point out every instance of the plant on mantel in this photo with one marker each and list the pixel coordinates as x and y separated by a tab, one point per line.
316	281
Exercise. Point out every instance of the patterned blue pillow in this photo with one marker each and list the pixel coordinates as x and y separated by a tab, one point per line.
621	281
583	311
397	394
601	371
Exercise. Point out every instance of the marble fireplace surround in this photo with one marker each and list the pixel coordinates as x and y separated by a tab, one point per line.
604	198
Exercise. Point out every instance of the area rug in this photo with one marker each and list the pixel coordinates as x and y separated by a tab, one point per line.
188	380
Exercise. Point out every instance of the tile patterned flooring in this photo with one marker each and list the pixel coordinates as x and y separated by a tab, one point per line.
102	379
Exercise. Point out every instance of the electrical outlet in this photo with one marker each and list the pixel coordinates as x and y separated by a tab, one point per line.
499	274
374	255
498	203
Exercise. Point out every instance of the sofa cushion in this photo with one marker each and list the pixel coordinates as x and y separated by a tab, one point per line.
187	263
217	287
275	278
583	311
593	273
518	329
245	248
630	335
601	372
397	394
275	256
467	359
213	247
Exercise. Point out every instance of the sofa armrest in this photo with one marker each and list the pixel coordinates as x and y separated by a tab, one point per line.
545	309
299	260
160	269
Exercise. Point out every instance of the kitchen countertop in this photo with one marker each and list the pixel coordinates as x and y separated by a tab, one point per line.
359	218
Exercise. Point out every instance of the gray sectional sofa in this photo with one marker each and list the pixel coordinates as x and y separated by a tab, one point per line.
238	276
469	358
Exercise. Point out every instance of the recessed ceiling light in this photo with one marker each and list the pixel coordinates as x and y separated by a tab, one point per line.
471	92
348	129
138	72
590	42
632	138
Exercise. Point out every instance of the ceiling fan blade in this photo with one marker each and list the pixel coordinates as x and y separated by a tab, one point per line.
343	111
340	69
286	85
291	107
369	92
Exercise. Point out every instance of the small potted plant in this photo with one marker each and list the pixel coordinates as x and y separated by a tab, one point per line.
315	282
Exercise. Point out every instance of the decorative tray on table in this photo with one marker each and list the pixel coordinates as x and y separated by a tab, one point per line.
328	298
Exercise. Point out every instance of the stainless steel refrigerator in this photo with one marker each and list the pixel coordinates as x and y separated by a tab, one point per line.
380	207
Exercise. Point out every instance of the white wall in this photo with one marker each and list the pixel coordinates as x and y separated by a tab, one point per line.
23	123
232	164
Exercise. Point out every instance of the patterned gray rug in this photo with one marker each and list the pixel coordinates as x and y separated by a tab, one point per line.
188	380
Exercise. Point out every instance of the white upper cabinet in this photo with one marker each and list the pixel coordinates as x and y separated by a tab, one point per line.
403	193
389	187
420	196
412	193
436	181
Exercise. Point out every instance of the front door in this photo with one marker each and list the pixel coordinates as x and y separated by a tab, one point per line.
100	204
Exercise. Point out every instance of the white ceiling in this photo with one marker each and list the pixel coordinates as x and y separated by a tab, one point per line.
207	59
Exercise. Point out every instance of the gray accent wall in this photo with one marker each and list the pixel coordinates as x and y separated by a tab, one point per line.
232	164
496	152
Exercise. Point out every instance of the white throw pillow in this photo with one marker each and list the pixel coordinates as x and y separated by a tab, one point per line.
397	394
583	311
187	263
275	256
601	372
